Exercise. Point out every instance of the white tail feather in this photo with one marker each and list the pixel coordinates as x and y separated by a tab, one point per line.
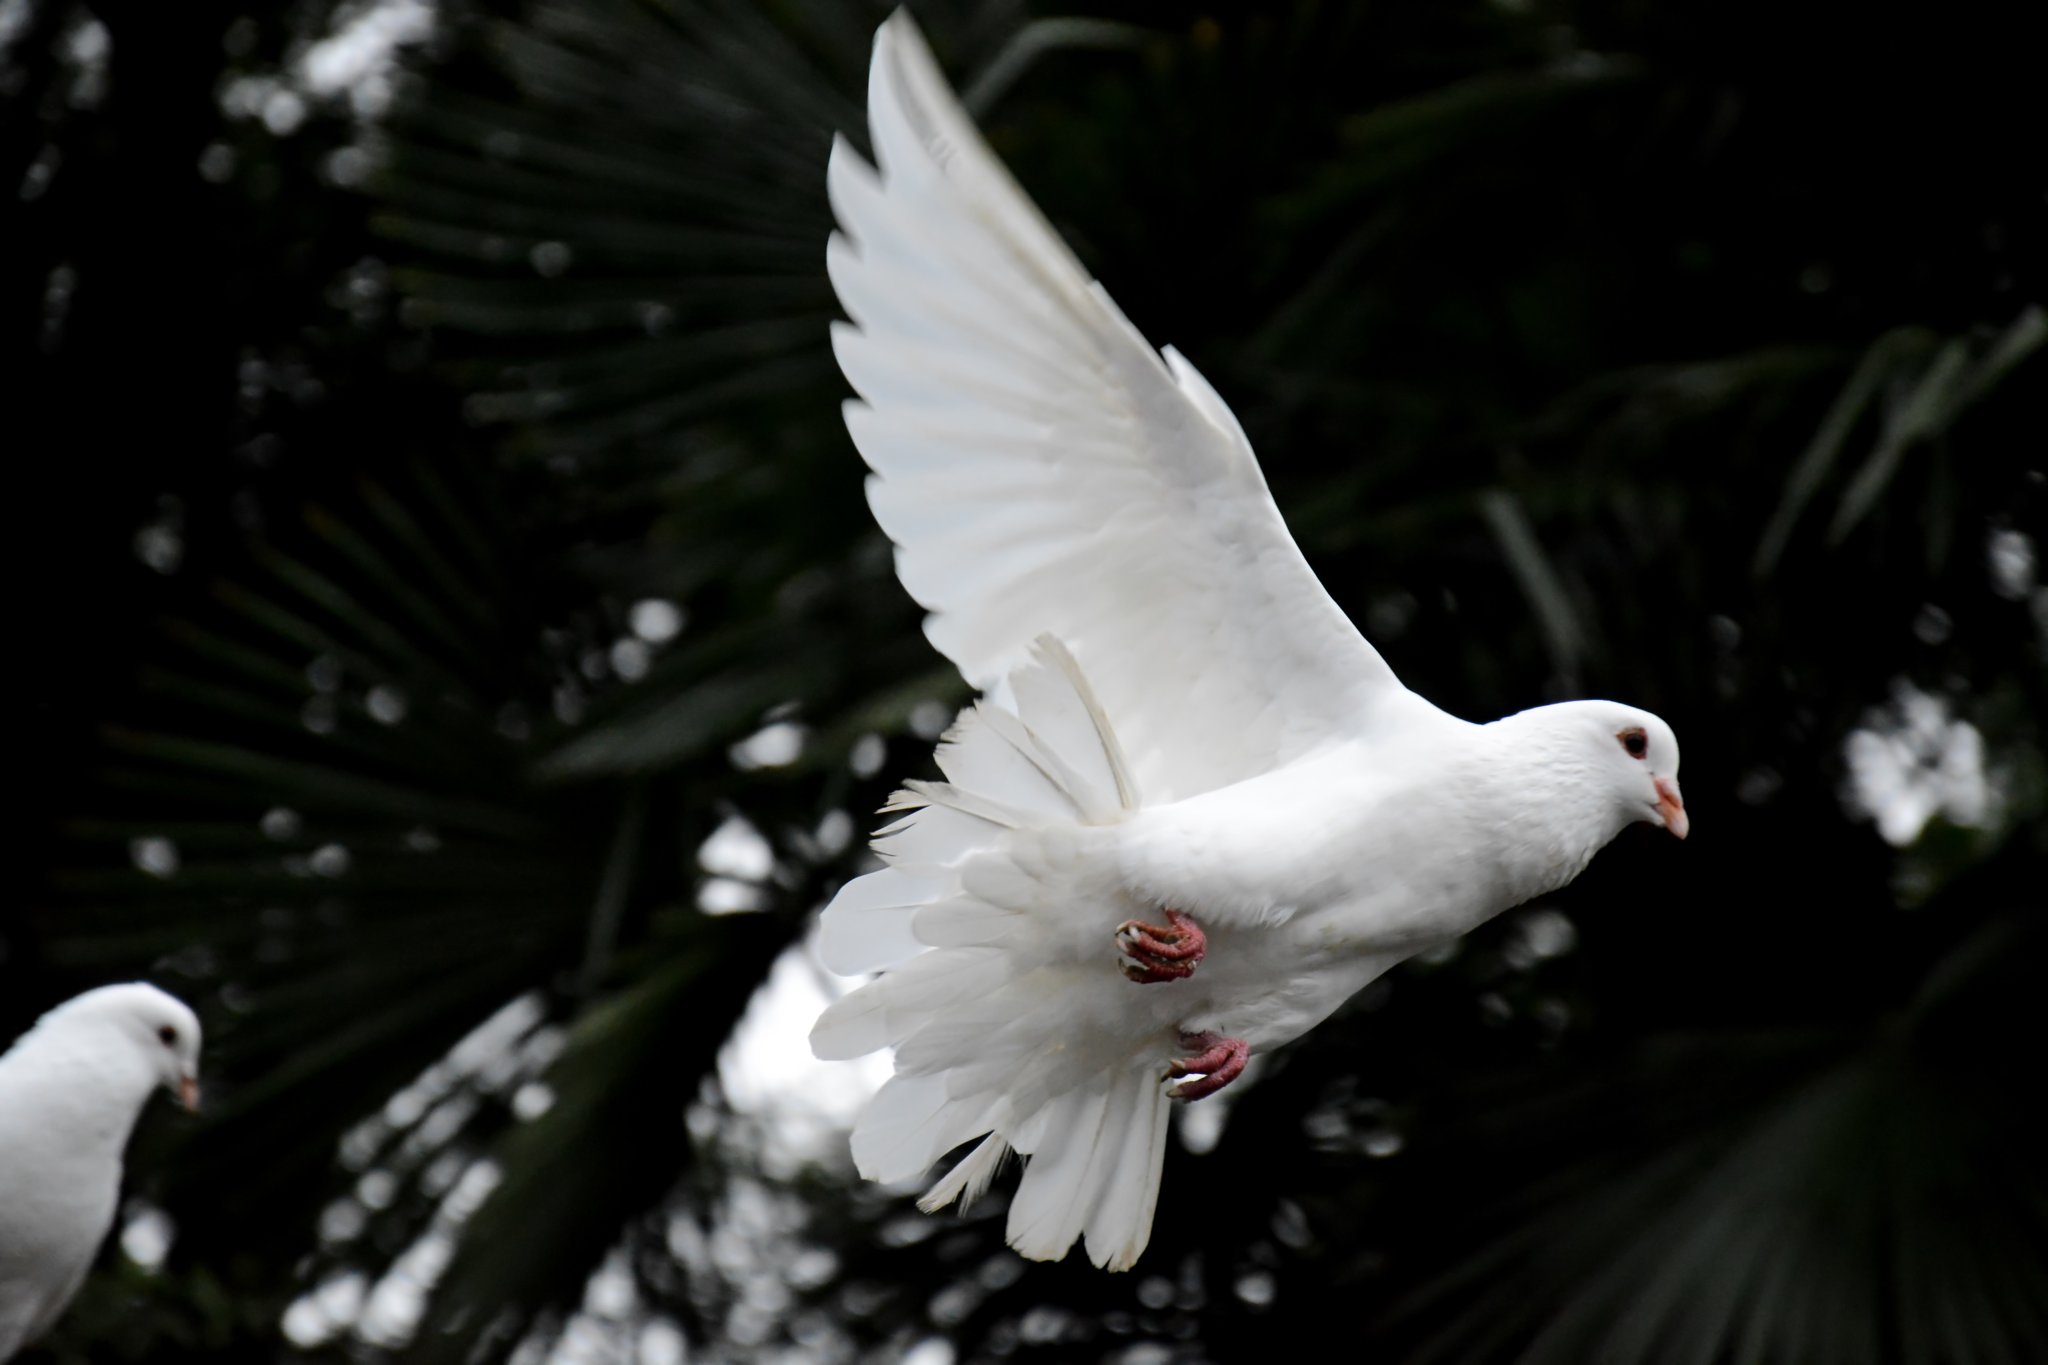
1097	1175
870	925
969	1180
998	994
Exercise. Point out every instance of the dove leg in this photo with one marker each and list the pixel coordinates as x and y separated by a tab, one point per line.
1161	952
1218	1061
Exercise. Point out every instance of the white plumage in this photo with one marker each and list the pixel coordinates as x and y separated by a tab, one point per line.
70	1091
1176	715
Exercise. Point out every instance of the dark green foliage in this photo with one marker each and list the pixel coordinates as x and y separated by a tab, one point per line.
1688	354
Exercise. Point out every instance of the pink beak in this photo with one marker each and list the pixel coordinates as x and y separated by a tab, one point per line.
1671	806
188	1092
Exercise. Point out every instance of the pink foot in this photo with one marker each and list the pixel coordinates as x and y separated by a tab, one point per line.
1168	952
1218	1061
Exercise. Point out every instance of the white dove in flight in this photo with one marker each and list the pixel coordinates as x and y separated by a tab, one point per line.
1195	810
71	1089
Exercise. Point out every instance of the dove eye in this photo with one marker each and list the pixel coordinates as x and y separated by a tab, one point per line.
1636	742
169	1035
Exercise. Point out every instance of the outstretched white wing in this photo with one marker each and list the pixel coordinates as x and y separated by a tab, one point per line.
1042	469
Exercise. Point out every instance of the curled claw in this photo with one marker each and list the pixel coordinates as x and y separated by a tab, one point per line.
1161	952
1218	1061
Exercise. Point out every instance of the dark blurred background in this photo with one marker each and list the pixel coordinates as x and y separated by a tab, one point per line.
457	658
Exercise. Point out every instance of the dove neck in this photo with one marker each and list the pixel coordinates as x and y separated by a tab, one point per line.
1551	808
86	1082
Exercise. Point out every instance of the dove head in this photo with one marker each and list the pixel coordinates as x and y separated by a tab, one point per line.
136	1031
1616	755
